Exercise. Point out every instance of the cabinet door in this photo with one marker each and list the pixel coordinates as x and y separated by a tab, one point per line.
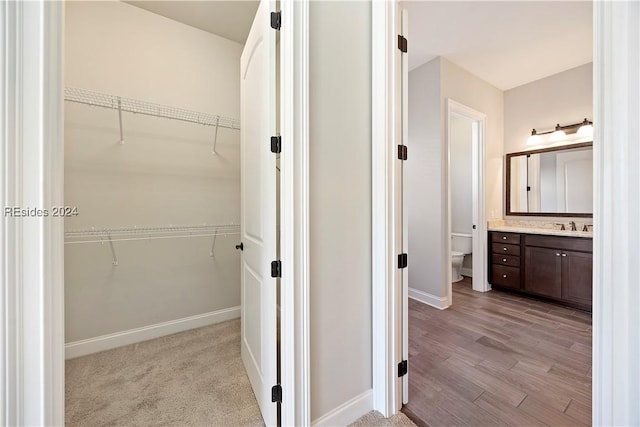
543	271
577	277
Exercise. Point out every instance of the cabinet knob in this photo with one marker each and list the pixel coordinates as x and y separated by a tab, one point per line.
557	254
504	260
564	254
504	249
504	275
504	237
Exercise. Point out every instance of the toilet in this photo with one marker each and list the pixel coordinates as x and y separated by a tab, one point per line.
461	245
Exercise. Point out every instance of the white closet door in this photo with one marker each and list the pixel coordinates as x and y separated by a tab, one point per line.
258	229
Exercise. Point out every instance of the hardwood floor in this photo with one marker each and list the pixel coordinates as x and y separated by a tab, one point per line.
496	359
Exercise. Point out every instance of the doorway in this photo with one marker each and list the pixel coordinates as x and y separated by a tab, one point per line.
177	226
465	142
447	90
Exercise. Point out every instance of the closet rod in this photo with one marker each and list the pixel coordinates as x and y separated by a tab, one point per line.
97	99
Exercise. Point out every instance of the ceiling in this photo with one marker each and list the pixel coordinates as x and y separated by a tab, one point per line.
506	43
229	19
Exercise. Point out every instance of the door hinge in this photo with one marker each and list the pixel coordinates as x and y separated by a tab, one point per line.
276	144
402	261
402	43
276	393
403	152
276	20
403	368
276	269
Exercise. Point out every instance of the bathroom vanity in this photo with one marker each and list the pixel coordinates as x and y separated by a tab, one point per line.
548	266
542	260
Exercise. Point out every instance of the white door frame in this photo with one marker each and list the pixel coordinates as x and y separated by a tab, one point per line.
616	341
294	212
32	254
32	264
616	240
480	282
386	135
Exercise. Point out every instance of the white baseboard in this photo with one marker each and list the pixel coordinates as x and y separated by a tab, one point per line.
132	336
465	271
438	302
348	412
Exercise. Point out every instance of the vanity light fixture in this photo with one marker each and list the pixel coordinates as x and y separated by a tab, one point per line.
581	130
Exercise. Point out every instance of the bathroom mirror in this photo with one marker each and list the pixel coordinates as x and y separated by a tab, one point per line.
556	181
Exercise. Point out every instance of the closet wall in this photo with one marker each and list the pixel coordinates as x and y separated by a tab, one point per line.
165	173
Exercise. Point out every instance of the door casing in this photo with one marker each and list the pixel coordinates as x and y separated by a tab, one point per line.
480	281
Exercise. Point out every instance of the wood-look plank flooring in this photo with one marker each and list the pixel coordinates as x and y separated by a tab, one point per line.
497	359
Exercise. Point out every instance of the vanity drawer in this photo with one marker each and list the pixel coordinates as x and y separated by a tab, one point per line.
582	244
505	249
510	260
502	275
510	238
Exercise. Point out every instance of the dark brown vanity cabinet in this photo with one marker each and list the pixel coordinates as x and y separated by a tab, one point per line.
553	267
505	259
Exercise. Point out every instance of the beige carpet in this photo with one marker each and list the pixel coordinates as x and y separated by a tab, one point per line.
194	378
375	419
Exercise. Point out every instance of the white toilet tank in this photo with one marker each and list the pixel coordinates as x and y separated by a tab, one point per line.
461	242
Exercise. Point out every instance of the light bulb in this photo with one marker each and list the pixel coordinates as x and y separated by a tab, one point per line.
534	139
558	134
586	129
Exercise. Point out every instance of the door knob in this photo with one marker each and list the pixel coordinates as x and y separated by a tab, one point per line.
240	246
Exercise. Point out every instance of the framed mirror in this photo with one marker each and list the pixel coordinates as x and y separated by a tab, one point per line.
555	181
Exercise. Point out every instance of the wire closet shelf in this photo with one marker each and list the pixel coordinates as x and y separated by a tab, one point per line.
94	235
129	105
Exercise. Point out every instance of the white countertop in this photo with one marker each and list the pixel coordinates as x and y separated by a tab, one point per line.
546	231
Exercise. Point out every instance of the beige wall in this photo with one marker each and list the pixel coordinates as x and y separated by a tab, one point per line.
460	171
437	81
164	174
340	202
563	98
425	198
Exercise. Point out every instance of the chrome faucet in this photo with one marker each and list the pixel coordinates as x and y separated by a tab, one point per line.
573	226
